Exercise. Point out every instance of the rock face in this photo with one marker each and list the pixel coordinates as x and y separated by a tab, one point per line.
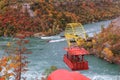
116	22
107	43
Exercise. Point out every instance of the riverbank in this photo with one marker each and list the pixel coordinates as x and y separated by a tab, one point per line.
51	18
106	44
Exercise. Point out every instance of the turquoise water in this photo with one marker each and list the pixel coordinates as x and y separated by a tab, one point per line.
46	54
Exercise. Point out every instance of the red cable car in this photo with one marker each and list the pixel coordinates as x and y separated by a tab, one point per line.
75	58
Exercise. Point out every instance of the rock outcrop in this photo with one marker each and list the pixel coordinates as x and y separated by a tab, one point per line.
106	44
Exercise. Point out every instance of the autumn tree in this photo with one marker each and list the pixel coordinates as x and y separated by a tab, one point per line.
15	60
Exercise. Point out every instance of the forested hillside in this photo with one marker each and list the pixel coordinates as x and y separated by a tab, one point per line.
50	17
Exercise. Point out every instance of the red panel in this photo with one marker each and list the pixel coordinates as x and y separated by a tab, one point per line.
68	62
76	51
83	65
86	65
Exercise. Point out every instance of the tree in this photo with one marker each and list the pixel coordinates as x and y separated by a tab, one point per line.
16	60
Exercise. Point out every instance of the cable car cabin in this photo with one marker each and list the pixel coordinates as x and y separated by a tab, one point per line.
75	58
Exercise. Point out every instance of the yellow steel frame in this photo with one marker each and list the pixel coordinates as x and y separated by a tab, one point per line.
75	31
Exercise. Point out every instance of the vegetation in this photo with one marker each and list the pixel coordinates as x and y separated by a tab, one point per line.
110	43
51	69
106	44
51	16
14	63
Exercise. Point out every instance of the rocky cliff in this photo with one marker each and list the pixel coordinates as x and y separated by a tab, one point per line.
106	44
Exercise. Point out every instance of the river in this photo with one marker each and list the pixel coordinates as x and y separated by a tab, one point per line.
46	54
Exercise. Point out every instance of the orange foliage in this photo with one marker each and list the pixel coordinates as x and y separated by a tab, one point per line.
47	13
4	62
14	61
2	78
